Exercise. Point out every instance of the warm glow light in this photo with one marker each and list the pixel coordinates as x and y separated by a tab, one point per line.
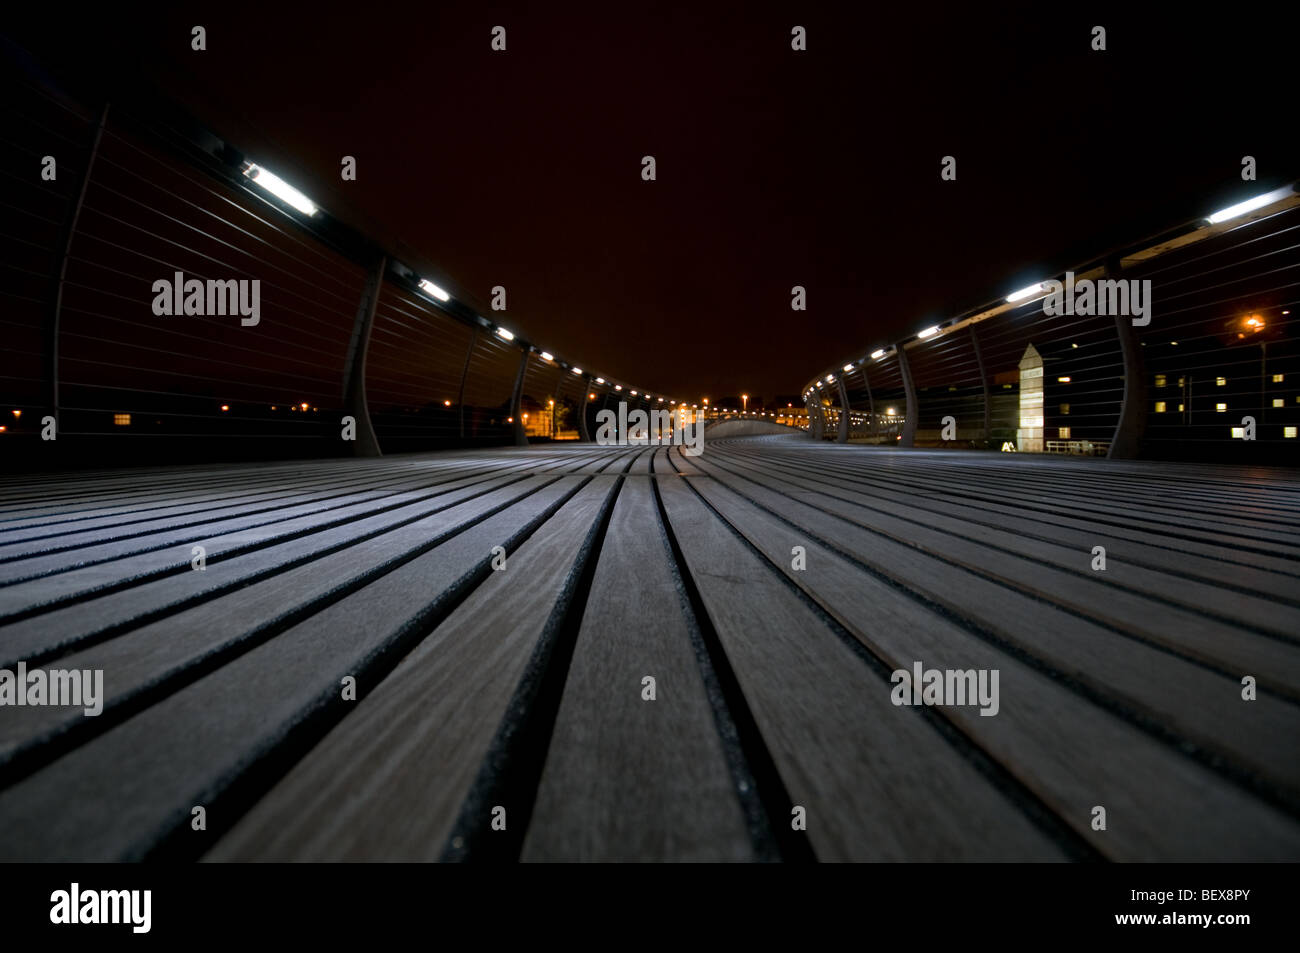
18	413
508	335
618	387
577	370
303	406
446	403
281	189
847	368
1063	380
600	380
878	353
1024	293
510	420
225	407
547	356
434	290
889	411
633	393
929	332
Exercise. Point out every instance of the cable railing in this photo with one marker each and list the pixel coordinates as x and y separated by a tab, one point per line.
165	298
1210	370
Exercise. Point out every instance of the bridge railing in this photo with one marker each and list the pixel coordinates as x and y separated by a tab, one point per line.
102	200
1214	369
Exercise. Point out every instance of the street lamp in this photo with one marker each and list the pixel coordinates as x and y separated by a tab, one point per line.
745	400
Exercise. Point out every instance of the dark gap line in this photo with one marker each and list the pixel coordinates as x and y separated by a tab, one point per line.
511	772
763	796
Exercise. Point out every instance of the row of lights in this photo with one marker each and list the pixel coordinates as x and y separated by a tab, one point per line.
1024	294
287	193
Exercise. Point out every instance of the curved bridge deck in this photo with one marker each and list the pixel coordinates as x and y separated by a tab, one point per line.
667	657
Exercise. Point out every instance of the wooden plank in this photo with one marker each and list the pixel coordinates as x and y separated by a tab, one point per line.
192	745
1073	754
875	786
627	778
388	781
1186	632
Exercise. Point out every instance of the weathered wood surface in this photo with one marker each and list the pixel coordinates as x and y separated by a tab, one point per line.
764	593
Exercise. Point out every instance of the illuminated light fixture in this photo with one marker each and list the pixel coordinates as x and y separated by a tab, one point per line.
600	380
1242	208
122	420
446	403
510	420
1063	380
661	400
847	368
1024	293
1254	321
878	353
429	287
547	356
18	413
830	378
225	407
1074	345
577	370
633	393
281	189
929	332
508	335
591	397
618	387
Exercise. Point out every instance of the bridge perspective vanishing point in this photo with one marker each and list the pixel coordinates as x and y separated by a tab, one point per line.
1020	587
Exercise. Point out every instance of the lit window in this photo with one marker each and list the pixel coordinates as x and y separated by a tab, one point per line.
1180	408
1278	402
1220	407
1181	381
1160	380
122	420
1238	433
1065	410
1288	432
1160	407
1006	387
1063	380
1064	433
1278	378
1220	381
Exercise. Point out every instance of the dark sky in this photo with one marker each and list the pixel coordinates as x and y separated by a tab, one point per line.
775	167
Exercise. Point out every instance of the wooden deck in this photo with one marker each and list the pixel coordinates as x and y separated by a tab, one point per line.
524	688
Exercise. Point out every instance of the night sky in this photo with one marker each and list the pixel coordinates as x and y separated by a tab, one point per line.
775	167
